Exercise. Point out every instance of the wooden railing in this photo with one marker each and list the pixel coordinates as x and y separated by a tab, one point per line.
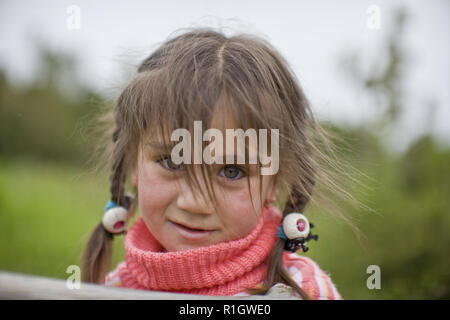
21	286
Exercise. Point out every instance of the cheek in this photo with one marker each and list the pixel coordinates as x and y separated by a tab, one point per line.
239	214
155	193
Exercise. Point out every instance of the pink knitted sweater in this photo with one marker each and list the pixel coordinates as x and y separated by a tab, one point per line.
222	269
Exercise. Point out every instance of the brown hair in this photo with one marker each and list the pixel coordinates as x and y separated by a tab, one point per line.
191	76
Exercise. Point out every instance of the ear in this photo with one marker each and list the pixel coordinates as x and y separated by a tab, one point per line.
133	178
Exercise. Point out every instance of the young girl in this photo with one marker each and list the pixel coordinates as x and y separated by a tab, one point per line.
212	229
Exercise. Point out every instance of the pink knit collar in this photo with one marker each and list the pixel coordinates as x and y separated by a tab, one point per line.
221	269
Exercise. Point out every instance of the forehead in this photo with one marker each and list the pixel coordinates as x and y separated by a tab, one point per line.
224	118
223	115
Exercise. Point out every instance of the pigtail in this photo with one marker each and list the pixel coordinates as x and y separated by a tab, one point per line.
96	259
118	172
297	201
97	255
276	272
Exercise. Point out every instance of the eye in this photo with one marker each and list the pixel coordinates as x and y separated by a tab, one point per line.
167	163
232	172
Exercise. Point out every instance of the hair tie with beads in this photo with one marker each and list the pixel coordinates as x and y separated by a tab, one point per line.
116	217
296	230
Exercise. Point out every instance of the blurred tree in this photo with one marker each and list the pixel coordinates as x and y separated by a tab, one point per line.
50	117
384	79
409	238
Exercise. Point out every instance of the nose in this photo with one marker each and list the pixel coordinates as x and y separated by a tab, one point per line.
197	203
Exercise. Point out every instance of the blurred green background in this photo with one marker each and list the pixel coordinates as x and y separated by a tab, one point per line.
51	195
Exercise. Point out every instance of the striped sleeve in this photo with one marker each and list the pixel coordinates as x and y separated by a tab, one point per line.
113	278
310	277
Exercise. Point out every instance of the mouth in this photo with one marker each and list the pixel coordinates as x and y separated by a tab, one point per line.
190	232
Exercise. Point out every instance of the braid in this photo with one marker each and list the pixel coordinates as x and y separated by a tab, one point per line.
117	180
98	251
118	170
297	200
276	271
115	135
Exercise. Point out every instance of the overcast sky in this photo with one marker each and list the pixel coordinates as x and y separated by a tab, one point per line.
312	35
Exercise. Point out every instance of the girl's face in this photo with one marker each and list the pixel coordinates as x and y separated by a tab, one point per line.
180	219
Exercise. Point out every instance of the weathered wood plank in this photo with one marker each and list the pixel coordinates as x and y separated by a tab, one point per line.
21	286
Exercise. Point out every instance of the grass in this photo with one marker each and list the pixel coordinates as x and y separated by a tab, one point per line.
46	215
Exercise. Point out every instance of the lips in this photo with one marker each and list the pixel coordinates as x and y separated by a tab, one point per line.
190	232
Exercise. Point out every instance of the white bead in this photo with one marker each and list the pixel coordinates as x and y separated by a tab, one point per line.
290	226
114	215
